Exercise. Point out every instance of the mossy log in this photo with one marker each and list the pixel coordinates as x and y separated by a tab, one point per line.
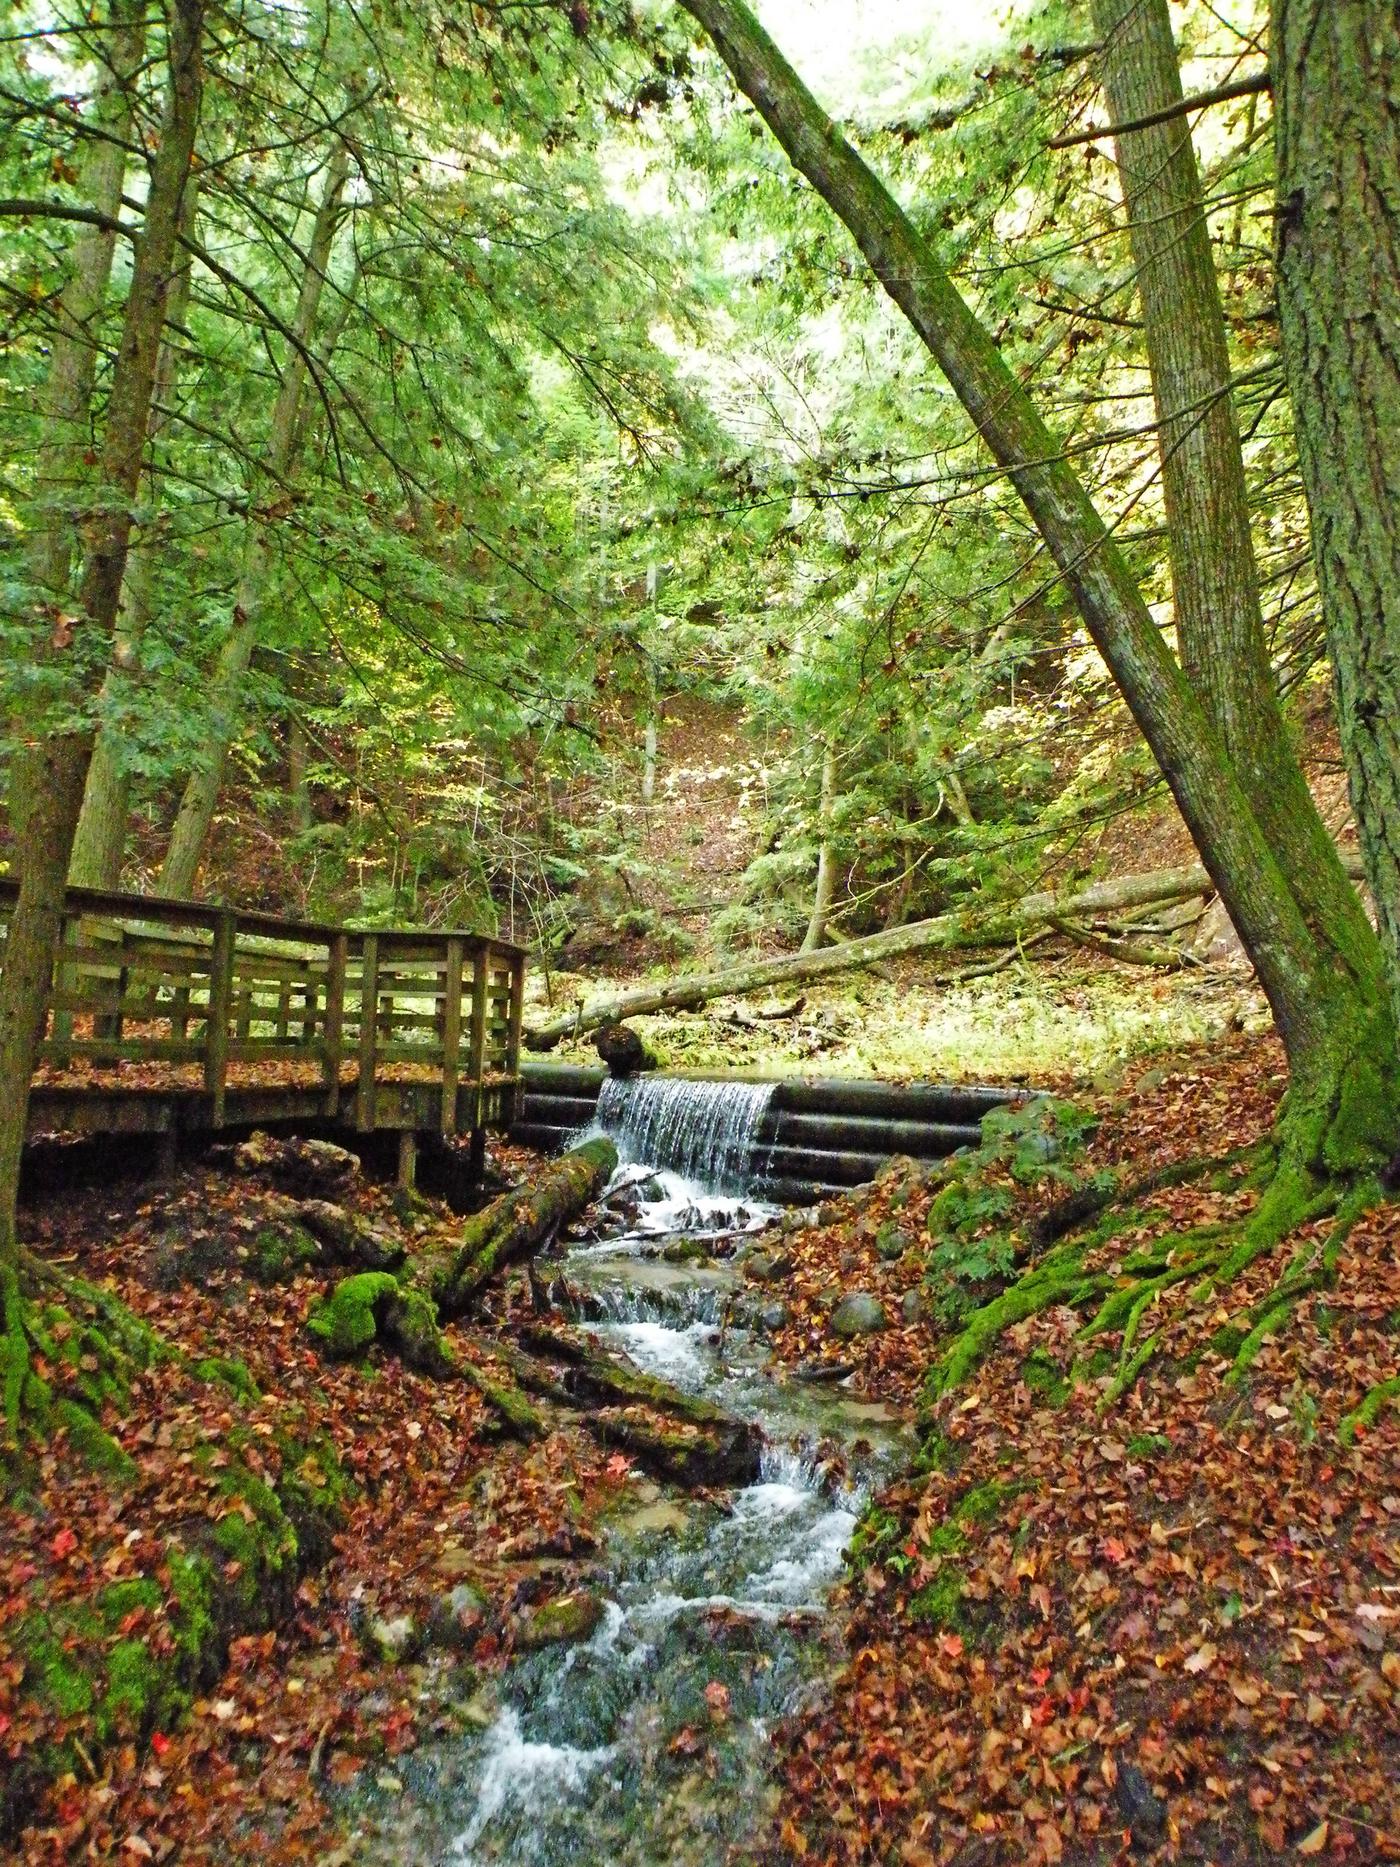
693	1442
511	1227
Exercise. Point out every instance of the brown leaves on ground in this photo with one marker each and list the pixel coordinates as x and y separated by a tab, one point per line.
300	1711
1164	1628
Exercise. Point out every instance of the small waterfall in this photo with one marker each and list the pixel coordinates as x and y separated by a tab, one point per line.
702	1131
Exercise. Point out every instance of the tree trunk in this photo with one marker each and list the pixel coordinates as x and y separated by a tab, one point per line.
826	859
201	795
1220	626
298	791
1343	1106
1337	113
65	412
975	926
49	773
101	838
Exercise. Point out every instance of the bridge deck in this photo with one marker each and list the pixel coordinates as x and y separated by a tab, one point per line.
170	1016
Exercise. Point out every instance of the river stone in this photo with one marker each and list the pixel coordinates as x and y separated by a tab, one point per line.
655	1518
767	1267
892	1241
774	1316
911	1306
458	1616
392	1640
859	1314
566	1618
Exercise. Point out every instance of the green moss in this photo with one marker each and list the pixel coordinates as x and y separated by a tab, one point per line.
939	1602
1043	1376
1148	1445
122	1598
54	1670
314	1490
281	1252
937	1453
1386	1393
984	1502
141	1692
93	1444
345	1323
198	1644
1058	1278
231	1374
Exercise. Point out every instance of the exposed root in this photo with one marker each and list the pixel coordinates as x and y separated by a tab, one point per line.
1386	1393
1207	1258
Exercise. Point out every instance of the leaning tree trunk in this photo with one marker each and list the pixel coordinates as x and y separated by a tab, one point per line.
1343	1105
101	836
63	475
49	773
201	795
1220	626
1337	108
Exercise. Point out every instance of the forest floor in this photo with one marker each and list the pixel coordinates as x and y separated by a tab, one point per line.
1086	1629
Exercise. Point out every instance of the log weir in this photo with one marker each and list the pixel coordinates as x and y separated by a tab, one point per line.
812	1136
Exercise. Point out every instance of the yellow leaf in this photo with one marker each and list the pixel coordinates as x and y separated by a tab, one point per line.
1315	1842
1201	1659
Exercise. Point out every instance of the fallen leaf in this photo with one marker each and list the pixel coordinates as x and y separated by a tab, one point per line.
1315	1842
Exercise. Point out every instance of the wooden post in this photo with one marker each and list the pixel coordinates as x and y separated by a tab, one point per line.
513	1031
451	1033
481	1013
220	1005
477	1162
369	1032
408	1159
335	1018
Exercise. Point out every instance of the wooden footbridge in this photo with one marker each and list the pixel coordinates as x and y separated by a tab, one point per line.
168	1017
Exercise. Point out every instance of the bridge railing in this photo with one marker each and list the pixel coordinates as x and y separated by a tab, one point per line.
174	994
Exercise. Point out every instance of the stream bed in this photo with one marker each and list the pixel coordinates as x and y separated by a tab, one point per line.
649	1743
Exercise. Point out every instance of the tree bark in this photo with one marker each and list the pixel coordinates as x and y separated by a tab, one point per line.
518	1223
826	859
50	772
201	794
975	926
65	403
101	837
1337	117
1345	1091
1219	622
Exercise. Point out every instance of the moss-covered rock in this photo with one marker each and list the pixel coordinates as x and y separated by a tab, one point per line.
566	1619
346	1323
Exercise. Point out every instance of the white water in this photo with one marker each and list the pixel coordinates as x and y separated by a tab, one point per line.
705	1132
609	1752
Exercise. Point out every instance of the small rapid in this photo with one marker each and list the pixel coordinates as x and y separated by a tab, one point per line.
649	1743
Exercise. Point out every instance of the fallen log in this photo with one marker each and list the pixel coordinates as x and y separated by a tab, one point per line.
513	1226
980	925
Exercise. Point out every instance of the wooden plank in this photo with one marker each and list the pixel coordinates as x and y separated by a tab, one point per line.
451	1035
216	1034
122	1049
369	1012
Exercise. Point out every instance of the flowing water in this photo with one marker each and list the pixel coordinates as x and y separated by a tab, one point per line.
704	1132
649	1744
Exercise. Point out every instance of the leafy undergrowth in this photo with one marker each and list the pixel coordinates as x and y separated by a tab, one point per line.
1127	1608
229	1715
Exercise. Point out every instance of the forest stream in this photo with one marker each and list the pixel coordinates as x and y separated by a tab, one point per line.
713	1606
